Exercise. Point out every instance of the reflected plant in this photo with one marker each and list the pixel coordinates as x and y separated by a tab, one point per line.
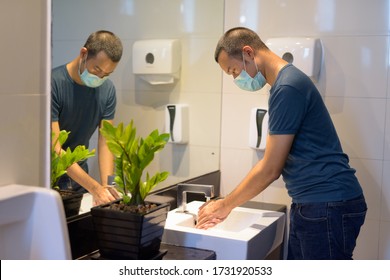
61	162
132	155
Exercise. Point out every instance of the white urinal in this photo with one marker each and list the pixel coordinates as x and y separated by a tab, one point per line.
32	224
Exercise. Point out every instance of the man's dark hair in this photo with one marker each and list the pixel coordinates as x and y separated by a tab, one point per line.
105	41
235	39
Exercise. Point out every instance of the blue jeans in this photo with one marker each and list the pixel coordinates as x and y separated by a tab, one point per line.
66	183
325	231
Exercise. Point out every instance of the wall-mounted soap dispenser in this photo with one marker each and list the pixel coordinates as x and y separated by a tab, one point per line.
157	61
304	53
177	122
258	128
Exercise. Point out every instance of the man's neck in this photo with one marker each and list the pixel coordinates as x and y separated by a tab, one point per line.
73	70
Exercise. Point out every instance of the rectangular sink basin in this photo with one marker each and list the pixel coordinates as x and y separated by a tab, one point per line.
246	234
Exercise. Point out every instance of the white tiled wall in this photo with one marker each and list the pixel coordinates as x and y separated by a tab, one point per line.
354	83
24	92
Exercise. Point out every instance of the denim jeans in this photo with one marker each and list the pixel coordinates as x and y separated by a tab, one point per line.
66	183
325	231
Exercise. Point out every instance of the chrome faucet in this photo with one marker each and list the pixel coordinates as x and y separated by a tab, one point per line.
183	189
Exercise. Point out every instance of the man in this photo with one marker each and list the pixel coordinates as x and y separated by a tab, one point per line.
328	206
82	97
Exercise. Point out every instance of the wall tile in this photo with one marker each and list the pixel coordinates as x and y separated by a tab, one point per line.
235	164
22	145
321	17
387	130
384	241
367	242
369	174
22	64
385	194
352	64
360	125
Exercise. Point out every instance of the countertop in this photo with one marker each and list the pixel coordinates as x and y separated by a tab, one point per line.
168	252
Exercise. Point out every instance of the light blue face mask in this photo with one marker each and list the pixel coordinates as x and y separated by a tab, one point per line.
245	82
90	80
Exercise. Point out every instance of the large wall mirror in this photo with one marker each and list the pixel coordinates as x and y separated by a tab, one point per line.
198	24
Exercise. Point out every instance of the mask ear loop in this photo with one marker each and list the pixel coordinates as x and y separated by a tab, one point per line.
243	60
80	67
85	64
257	69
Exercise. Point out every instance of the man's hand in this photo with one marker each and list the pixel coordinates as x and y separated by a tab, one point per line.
104	195
212	213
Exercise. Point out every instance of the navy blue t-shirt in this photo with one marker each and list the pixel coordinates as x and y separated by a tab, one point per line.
316	169
79	109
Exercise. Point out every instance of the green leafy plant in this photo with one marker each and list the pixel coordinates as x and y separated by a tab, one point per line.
132	155
61	162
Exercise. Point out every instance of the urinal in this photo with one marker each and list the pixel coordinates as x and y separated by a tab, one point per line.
32	224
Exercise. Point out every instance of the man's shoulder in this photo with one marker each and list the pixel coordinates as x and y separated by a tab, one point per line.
58	69
107	88
108	84
59	72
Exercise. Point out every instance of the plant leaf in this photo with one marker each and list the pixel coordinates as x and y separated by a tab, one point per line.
132	155
61	162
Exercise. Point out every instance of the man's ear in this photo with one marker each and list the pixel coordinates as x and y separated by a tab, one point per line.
248	52
83	52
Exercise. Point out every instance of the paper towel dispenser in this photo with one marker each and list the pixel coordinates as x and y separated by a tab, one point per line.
157	61
304	53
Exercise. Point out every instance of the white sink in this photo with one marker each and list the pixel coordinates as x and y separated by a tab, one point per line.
246	234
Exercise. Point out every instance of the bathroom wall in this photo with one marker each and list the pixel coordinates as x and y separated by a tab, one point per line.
199	85
354	83
24	92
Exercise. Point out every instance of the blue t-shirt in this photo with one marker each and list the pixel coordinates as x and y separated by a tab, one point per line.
78	108
316	169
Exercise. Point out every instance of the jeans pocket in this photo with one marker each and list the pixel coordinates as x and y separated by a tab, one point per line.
314	213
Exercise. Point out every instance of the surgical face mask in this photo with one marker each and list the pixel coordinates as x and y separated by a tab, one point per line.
245	82
90	80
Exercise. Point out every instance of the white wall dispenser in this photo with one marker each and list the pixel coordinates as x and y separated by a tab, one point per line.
157	61
177	122
258	128
304	53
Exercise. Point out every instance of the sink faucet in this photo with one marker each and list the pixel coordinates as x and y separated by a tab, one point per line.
183	189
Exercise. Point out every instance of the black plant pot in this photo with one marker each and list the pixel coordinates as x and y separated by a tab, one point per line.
126	235
71	201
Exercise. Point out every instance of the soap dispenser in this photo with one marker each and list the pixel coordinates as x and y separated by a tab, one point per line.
176	123
258	128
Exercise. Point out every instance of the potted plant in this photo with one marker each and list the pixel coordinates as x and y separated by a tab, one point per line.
131	228
59	164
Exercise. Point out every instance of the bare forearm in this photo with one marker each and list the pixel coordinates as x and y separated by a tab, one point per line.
257	180
83	179
106	163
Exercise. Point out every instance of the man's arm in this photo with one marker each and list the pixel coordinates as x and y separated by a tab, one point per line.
106	158
258	179
100	194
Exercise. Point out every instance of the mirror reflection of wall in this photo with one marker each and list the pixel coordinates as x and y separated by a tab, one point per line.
200	81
